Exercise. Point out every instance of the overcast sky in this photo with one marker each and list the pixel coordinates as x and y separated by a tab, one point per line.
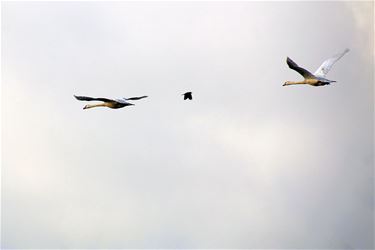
247	164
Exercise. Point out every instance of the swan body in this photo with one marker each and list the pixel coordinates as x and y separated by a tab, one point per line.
319	76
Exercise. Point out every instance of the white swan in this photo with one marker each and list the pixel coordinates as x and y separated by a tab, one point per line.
110	103
318	78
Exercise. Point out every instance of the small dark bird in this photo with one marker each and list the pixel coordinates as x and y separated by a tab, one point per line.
188	95
110	103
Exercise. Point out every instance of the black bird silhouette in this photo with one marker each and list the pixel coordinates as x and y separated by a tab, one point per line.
188	95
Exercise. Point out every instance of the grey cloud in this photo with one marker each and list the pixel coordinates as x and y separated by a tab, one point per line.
247	164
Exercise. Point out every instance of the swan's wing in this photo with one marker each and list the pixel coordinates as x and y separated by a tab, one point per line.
327	64
305	73
136	98
122	100
87	98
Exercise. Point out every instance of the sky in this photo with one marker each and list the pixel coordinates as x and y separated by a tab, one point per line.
247	163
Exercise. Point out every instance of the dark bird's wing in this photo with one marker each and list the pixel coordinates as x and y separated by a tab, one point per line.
188	95
87	98
136	98
305	73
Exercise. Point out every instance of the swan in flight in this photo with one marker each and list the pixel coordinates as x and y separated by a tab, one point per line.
318	78
110	103
188	95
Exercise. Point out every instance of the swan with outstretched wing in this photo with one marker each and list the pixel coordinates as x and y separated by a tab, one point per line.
109	103
319	76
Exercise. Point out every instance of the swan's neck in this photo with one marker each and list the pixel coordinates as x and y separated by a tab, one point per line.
294	83
89	106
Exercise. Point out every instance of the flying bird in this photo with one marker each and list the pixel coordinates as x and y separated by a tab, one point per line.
110	103
319	76
188	95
